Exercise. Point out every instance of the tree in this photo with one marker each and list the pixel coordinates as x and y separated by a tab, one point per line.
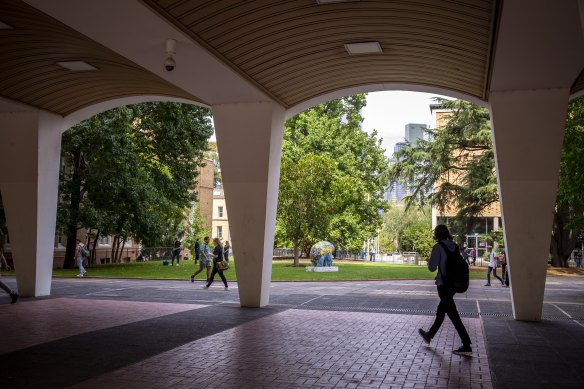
455	169
398	218
459	163
417	237
310	191
333	129
131	172
569	211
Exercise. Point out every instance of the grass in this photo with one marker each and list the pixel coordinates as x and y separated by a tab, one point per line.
282	270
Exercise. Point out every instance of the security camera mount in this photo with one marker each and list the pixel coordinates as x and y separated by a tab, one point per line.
169	63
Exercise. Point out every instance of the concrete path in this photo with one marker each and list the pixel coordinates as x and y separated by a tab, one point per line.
156	334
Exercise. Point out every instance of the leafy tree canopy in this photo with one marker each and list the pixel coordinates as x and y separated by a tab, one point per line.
330	136
131	171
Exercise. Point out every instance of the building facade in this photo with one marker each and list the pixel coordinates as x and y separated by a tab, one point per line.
220	227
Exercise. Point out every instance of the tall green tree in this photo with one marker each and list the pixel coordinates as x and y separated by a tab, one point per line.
333	130
310	191
397	219
459	163
131	172
569	212
455	168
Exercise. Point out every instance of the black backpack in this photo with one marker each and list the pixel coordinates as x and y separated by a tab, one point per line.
456	270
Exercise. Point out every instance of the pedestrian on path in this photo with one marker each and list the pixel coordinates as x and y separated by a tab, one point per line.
80	256
176	251
446	292
217	257
226	248
3	264
202	264
492	267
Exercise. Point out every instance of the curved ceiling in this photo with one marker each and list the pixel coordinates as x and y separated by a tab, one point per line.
30	74
294	49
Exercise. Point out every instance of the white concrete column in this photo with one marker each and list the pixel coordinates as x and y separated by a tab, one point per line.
249	139
528	129
30	146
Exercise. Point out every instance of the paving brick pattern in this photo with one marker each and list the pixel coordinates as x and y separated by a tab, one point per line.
311	349
41	321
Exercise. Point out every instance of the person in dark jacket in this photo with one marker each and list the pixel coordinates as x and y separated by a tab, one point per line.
445	292
217	257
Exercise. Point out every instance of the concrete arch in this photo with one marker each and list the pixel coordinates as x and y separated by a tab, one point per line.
91	110
379	88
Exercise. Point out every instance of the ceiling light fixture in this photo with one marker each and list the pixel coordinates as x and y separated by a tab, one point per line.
362	48
321	2
77	66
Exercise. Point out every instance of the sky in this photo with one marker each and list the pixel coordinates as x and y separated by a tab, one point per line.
388	112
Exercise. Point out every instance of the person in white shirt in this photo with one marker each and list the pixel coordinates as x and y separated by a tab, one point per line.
492	267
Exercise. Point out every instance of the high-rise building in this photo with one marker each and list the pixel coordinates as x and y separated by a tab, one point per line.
415	131
395	191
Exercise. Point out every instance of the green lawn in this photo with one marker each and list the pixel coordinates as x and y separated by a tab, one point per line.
281	271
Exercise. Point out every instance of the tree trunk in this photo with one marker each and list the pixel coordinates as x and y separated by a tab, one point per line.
563	240
72	228
93	252
296	253
114	249
121	248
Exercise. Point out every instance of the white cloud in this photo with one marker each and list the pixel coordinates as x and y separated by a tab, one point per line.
388	112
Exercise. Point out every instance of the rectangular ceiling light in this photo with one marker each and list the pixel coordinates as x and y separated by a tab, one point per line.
335	1
4	26
363	48
77	66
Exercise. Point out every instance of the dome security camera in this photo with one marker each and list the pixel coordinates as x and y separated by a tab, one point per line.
169	64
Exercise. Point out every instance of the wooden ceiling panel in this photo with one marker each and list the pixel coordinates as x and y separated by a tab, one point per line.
289	48
30	74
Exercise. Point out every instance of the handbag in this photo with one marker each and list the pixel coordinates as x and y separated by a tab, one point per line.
222	265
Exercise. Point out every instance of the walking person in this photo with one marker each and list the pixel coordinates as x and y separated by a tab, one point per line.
504	270
492	267
446	291
3	264
472	255
204	259
226	248
176	251
80	254
197	261
217	257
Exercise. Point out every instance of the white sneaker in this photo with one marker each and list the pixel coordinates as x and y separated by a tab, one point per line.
79	275
226	288
205	287
177	264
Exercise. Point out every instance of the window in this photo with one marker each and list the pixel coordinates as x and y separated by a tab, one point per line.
220	211
104	240
219	231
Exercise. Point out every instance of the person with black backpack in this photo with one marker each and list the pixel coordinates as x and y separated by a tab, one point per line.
452	278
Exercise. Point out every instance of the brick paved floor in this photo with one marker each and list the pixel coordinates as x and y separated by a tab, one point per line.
300	348
135	333
41	321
